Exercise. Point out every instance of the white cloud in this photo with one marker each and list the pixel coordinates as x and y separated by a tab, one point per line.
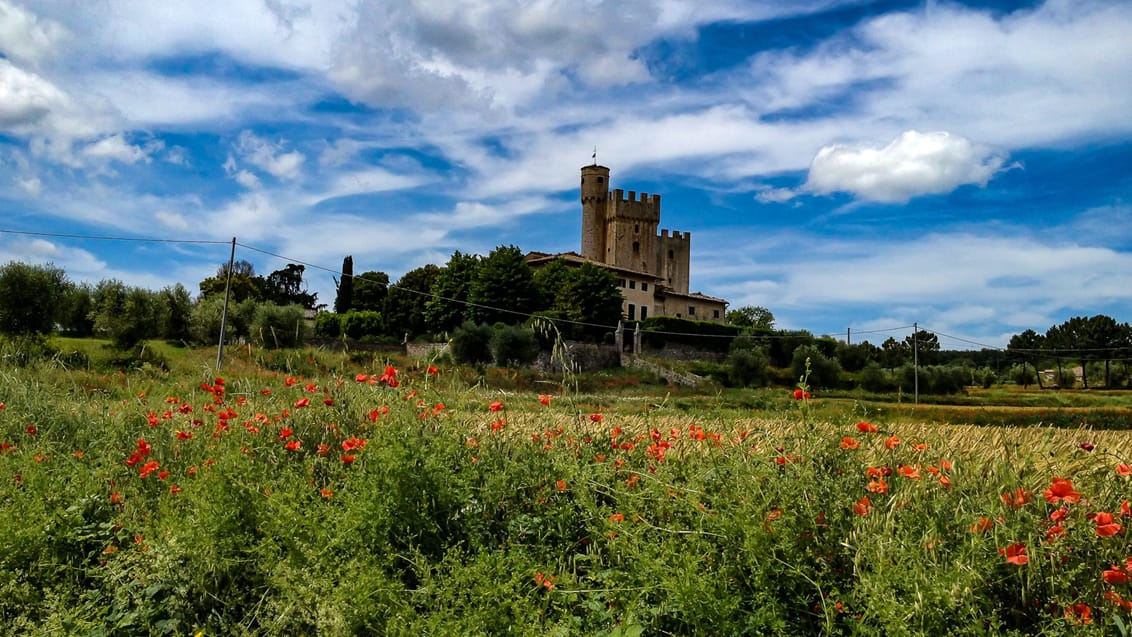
775	195
31	185
25	98
115	147
24	36
911	165
247	179
172	220
269	156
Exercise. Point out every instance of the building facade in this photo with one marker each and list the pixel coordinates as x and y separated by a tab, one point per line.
620	234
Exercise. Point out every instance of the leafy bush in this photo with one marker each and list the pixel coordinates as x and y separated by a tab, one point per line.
278	325
360	323
825	372
749	367
471	344
513	345
328	324
873	378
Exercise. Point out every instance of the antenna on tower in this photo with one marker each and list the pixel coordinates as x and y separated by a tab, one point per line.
595	155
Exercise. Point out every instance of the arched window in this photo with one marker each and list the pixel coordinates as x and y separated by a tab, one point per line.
636	247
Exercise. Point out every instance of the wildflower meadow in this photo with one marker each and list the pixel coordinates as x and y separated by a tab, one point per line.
398	498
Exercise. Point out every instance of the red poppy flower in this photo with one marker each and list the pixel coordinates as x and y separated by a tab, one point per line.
174	490
326	493
1018	498
498	425
596	417
1106	527
910	472
285	433
1015	554
1079	613
432	370
866	428
328	401
560	484
983	525
1115	575
294	445
148	468
348	458
302	402
877	486
891	442
1087	446
1061	491
361	378
848	442
1124	470
184	435
31	430
495	406
800	394
862	506
544	399
617	517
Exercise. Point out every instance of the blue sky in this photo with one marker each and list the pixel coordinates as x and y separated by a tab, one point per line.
964	166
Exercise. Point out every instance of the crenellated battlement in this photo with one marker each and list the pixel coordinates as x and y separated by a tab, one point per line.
676	235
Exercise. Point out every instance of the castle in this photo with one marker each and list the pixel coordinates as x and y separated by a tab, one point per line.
619	233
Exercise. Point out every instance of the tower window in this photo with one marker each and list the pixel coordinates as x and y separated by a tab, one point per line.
644	312
601	180
636	227
632	312
691	310
671	254
644	288
632	284
636	247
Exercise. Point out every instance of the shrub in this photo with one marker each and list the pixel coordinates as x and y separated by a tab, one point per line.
471	344
873	378
1022	375
749	367
825	372
513	345
328	324
278	325
359	323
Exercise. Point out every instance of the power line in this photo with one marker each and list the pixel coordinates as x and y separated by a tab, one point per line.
62	235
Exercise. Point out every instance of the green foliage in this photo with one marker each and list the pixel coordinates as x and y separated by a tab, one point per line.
447	308
278	325
824	372
503	289
124	314
471	344
359	324
75	312
585	300
344	299
30	297
245	285
874	379
328	324
657	331
405	303
752	316
285	287
513	345
205	319
749	367
371	289
1023	375
175	307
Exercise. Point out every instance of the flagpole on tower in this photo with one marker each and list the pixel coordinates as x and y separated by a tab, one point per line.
595	155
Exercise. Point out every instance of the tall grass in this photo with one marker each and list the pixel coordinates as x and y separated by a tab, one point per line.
304	499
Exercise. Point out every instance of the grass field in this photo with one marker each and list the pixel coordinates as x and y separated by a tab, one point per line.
310	493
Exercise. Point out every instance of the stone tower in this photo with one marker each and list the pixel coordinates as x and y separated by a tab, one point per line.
595	202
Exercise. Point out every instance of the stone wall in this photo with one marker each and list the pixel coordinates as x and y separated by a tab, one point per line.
586	357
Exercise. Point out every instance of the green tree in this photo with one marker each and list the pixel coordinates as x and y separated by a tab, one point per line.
825	372
926	347
344	300
447	308
278	325
1108	340
503	289
285	287
175	306
75	313
405	303
370	291
245	284
30	297
753	316
586	296
894	353
126	315
1028	345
